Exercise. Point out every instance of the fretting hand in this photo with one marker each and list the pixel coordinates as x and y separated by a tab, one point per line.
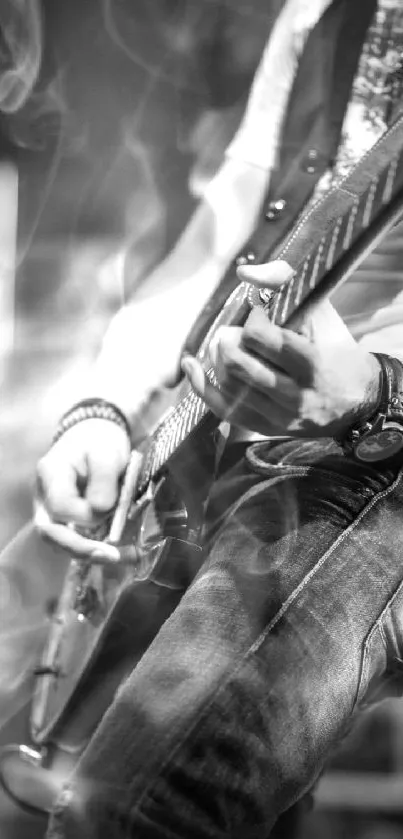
275	381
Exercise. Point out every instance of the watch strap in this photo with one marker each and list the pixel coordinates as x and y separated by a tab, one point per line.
391	397
380	435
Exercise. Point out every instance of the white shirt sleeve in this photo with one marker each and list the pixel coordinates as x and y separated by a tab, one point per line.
236	192
385	330
257	139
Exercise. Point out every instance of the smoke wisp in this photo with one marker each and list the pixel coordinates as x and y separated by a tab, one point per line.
20	52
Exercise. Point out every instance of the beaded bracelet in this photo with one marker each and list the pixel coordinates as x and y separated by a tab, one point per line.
91	409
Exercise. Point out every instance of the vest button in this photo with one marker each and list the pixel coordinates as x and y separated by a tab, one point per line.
313	161
275	208
245	258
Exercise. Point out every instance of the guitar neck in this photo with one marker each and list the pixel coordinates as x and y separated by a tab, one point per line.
335	257
324	248
334	247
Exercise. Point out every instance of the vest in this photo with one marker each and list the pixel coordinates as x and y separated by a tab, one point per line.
309	142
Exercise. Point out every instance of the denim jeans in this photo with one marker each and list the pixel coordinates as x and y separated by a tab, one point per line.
293	622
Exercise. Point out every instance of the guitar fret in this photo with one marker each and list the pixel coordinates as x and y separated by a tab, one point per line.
171	442
350	224
182	420
369	204
316	265
301	282
150	466
333	244
178	435
199	409
165	438
186	414
196	416
174	433
160	442
145	472
287	301
390	179
164	447
169	445
188	423
151	458
156	456
326	248
193	411
274	310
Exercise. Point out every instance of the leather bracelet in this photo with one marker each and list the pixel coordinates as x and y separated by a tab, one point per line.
93	408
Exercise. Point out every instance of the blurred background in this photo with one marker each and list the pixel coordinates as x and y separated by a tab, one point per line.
118	113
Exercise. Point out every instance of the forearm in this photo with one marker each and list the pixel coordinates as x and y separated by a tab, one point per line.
388	340
384	332
141	350
142	347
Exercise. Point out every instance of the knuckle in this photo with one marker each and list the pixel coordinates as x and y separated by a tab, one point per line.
55	499
41	531
254	333
218	341
220	334
42	468
52	505
230	358
303	354
258	329
40	526
229	336
47	467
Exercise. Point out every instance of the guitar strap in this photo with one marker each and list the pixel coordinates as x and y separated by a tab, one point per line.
310	137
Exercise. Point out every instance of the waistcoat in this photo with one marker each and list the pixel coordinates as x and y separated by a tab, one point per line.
310	138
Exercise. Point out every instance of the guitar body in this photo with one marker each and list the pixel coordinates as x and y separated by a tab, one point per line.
108	614
105	621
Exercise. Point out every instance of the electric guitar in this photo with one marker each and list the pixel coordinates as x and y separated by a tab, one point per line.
109	613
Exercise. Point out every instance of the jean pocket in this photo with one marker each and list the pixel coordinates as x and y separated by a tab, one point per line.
382	657
306	458
266	459
299	454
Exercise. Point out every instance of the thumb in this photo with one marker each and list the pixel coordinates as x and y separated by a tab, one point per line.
268	274
103	481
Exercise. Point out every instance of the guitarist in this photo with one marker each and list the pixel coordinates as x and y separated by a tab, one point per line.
296	616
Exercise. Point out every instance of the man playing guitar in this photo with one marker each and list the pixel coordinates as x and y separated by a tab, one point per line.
295	616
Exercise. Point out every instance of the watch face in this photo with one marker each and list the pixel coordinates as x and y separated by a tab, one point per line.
380	446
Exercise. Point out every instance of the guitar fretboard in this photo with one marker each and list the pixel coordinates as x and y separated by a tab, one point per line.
317	243
336	241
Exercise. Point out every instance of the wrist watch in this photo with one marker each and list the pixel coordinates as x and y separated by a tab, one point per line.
381	436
